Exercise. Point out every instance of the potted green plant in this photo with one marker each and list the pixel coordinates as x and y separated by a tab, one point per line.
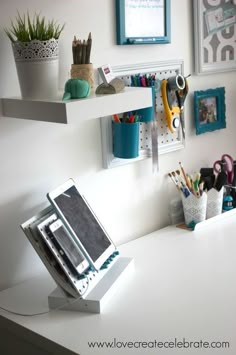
35	47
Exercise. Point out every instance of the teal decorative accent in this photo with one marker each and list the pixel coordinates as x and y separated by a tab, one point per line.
123	18
192	225
209	110
76	89
126	140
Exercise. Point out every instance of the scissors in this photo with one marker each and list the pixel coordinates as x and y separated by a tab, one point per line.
227	164
181	96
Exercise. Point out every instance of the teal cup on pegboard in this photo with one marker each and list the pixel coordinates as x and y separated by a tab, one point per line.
125	140
147	114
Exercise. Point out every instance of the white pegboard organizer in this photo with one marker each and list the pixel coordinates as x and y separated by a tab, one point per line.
167	142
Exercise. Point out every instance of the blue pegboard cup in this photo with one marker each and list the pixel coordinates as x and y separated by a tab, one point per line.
126	140
147	114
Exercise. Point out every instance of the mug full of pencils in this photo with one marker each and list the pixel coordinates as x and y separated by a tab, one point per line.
81	67
194	199
194	208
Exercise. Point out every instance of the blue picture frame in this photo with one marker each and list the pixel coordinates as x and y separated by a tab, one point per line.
156	12
209	110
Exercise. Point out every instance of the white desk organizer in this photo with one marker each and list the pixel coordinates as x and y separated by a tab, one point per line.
167	141
99	295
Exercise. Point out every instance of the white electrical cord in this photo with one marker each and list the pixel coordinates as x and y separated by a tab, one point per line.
50	310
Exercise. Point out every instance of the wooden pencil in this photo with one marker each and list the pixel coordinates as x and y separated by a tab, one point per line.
84	45
74	50
89	45
79	52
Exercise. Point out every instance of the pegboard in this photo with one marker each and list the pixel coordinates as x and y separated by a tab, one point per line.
167	141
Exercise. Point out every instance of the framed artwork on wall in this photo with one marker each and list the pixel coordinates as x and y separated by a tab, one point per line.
142	21
214	33
209	110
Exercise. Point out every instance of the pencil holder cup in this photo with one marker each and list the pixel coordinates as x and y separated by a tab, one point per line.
126	140
194	208
214	202
83	71
147	114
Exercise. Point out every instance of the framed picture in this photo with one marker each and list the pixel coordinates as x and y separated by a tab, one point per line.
214	32
142	21
209	110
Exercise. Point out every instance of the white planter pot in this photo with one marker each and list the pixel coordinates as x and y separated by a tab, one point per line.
214	202
37	65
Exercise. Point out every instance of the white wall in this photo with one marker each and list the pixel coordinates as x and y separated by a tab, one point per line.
35	157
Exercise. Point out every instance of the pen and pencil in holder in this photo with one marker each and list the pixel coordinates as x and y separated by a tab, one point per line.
210	192
215	190
81	67
84	72
194	208
220	182
126	136
194	199
226	170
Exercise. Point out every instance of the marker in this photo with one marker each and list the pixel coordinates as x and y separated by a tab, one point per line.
140	40
136	119
116	118
131	119
196	181
143	81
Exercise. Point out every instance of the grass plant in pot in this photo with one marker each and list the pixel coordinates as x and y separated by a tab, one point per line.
36	52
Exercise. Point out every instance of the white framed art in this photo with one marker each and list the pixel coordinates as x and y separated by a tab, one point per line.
214	33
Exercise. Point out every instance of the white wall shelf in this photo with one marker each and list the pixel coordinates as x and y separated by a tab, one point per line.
73	111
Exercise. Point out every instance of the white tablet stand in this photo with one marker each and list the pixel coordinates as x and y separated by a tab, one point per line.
100	294
88	292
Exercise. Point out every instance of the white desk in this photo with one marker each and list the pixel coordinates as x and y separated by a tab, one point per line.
183	286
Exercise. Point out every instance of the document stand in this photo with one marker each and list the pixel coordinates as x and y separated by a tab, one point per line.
96	299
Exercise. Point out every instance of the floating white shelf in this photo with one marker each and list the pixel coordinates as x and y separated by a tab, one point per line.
72	111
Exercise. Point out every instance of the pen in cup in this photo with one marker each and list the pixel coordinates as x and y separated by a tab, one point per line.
116	118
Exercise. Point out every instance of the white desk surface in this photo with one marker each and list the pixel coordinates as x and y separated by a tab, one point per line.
183	286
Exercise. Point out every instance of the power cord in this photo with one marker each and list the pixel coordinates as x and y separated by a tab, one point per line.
50	310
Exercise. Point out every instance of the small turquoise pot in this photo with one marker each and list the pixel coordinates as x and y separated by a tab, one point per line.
126	140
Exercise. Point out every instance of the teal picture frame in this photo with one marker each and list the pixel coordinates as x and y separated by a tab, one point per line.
156	12
209	110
